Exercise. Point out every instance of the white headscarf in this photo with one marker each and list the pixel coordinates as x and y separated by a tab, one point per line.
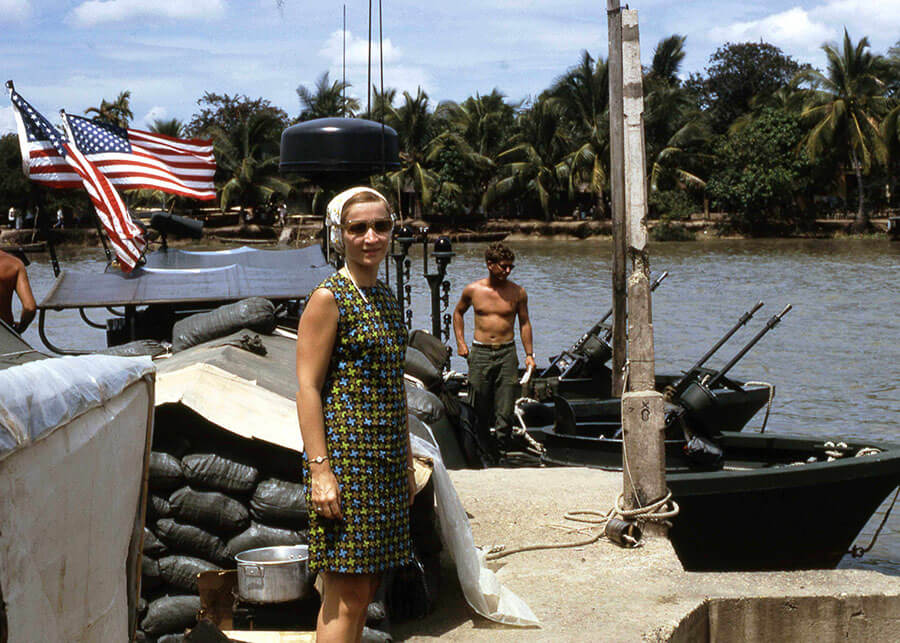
335	209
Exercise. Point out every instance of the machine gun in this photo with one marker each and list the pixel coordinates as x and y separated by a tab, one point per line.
591	350
696	372
697	398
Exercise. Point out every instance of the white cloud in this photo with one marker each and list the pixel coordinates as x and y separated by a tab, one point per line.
7	120
14	10
803	31
95	12
157	112
792	28
357	50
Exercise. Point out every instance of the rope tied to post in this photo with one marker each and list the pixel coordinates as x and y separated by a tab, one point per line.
659	511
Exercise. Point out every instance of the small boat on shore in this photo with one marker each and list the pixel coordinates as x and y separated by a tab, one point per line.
773	503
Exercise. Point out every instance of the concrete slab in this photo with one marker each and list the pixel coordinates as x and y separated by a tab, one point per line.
603	592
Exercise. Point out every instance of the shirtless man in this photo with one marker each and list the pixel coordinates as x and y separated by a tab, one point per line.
13	278
493	363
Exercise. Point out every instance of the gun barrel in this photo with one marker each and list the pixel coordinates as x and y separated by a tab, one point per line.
773	321
747	316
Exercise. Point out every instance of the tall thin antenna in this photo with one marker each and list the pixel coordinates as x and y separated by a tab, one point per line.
369	77
381	65
344	69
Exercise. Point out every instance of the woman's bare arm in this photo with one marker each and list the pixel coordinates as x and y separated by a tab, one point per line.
316	335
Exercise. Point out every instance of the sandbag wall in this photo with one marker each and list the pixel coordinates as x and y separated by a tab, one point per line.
213	495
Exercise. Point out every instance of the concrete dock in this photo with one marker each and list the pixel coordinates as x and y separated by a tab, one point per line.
603	592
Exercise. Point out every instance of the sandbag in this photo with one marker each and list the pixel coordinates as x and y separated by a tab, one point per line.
258	535
165	472
209	509
446	438
218	472
280	502
425	405
431	347
420	367
255	314
182	571
171	638
170	614
152	545
150	574
188	539
158	507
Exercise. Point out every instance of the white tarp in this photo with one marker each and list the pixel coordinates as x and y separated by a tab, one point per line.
41	395
69	499
483	591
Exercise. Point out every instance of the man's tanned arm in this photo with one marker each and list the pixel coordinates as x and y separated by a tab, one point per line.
459	327
525	330
26	297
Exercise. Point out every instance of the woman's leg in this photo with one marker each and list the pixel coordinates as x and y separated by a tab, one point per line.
344	603
374	580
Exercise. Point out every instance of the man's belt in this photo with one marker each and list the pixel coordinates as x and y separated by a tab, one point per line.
493	347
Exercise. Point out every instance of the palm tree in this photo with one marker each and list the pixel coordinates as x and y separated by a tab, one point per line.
675	130
537	164
582	96
171	127
667	59
326	99
413	122
117	112
248	157
843	108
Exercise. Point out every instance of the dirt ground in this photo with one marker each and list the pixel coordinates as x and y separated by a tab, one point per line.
600	591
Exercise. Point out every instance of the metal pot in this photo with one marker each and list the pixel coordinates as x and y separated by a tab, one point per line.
273	574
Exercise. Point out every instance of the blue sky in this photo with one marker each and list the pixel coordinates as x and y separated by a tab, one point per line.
71	53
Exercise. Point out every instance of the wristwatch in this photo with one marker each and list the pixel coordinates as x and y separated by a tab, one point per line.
318	459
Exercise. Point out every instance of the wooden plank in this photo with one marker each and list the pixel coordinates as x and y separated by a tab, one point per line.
257	636
617	189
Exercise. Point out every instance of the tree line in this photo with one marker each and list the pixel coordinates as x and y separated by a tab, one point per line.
768	141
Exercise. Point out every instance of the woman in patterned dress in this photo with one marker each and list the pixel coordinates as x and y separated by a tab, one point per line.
351	402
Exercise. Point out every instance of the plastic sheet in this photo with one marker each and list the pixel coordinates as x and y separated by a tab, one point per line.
42	395
482	589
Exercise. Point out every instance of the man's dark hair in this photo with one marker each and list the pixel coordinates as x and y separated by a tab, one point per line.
497	252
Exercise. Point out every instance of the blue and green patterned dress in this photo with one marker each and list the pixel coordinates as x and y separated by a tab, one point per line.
364	404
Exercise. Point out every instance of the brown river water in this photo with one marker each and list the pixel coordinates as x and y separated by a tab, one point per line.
835	359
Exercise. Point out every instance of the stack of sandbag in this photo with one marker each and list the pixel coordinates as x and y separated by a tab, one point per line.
213	494
211	498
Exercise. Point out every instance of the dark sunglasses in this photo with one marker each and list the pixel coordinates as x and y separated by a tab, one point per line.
505	266
360	228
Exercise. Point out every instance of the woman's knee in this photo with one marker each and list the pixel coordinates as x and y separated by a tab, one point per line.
350	595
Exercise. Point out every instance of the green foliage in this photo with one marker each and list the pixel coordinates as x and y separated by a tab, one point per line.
246	135
760	172
671	204
736	74
228	112
117	112
666	229
326	99
453	173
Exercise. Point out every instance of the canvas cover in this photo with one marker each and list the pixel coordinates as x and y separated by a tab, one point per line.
70	493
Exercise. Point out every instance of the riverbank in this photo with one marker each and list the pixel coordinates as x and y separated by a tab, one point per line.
305	230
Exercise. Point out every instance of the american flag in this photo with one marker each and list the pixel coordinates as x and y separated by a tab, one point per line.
37	133
135	159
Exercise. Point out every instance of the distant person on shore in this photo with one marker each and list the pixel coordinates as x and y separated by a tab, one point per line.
12	216
14	279
60	218
493	363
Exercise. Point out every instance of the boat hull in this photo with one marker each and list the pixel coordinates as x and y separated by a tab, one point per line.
768	508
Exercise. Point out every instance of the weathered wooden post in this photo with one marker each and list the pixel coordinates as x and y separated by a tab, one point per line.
643	420
617	190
